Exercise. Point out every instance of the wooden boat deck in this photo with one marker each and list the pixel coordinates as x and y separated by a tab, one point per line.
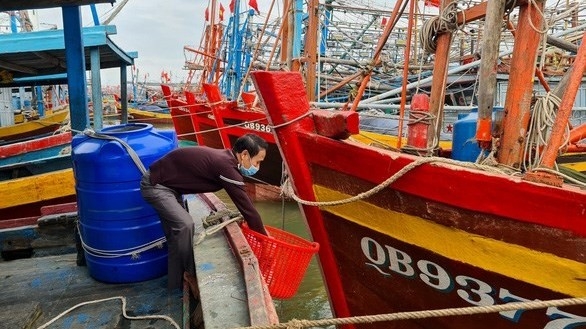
36	290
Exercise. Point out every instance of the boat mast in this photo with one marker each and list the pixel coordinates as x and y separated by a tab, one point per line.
311	48
520	88
440	76
488	70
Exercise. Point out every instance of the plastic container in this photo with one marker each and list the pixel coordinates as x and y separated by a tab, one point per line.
464	145
122	234
283	259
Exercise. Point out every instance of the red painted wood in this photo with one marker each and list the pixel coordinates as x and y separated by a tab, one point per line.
18	222
335	124
284	97
35	144
59	208
179	114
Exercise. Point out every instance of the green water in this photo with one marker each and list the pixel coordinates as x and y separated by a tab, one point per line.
310	302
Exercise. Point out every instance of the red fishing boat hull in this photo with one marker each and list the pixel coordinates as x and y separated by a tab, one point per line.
216	123
440	236
179	115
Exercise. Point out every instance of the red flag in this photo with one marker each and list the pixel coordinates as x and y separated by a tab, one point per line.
383	23
433	3
207	14
231	6
221	12
254	5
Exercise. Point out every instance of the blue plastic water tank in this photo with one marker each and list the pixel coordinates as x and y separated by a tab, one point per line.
115	222
464	145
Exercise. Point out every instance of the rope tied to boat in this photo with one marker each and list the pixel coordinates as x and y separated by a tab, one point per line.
424	117
472	310
540	125
287	188
214	226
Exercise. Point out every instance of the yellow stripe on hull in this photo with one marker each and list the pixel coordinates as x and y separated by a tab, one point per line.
37	188
578	166
374	139
148	114
541	269
57	117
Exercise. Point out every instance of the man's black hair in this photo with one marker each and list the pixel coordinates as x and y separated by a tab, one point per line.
250	142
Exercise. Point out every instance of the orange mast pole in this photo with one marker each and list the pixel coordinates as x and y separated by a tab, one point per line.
406	71
520	88
565	110
440	74
311	48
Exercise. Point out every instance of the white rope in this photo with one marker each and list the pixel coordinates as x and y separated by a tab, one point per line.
288	188
540	125
216	228
123	299
134	252
530	305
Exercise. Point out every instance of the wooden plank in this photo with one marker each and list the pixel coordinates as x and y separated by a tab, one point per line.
227	276
37	188
57	283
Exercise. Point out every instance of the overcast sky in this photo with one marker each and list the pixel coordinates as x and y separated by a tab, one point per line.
157	30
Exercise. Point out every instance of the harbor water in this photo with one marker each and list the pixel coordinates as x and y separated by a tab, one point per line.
311	301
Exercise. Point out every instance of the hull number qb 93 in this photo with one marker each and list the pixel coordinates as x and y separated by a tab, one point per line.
386	259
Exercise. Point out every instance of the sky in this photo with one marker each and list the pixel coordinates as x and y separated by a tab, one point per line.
157	30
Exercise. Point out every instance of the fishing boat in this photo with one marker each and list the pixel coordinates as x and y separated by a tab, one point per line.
405	232
48	123
180	115
34	156
24	196
149	113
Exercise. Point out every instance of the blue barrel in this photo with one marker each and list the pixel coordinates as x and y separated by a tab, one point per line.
464	145
122	235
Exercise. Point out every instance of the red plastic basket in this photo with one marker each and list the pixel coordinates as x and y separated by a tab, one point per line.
283	259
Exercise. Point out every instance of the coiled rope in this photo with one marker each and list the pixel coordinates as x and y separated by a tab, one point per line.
446	22
542	120
530	305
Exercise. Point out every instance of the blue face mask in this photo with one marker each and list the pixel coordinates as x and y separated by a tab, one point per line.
248	171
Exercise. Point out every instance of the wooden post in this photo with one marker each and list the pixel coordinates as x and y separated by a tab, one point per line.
488	69
438	84
520	88
311	49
